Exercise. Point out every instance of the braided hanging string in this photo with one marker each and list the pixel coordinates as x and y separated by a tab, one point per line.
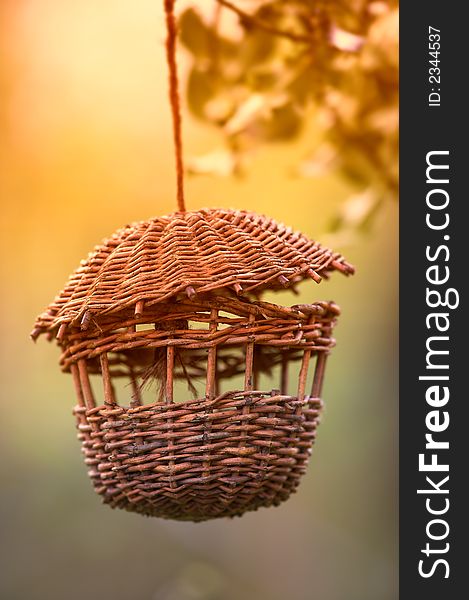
174	98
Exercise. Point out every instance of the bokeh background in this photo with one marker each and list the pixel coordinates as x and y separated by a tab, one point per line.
86	147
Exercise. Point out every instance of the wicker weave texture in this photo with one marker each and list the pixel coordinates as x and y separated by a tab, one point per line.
201	325
169	346
209	250
223	452
200	459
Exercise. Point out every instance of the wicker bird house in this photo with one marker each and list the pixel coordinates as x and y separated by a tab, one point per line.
195	398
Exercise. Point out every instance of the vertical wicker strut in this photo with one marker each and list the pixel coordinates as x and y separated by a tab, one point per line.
210	387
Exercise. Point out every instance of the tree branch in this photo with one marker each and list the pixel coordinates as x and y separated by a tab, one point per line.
244	16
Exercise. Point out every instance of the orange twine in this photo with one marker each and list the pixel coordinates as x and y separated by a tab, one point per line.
174	98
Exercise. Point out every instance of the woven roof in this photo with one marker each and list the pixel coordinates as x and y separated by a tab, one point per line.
194	252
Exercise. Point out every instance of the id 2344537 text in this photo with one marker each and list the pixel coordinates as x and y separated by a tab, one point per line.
434	71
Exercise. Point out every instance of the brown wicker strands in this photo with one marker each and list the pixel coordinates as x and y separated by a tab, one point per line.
191	253
196	399
223	452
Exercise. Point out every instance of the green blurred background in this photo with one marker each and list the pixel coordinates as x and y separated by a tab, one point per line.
85	148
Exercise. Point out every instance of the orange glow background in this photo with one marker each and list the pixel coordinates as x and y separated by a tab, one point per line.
86	147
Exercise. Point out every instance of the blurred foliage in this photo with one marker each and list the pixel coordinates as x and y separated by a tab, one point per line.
263	70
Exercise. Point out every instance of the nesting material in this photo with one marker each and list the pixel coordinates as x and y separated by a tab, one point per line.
171	350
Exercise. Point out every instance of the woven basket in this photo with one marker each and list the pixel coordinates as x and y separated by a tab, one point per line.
196	399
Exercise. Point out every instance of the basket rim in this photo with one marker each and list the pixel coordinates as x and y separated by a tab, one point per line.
201	404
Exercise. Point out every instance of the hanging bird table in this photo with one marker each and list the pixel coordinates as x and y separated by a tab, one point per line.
169	345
